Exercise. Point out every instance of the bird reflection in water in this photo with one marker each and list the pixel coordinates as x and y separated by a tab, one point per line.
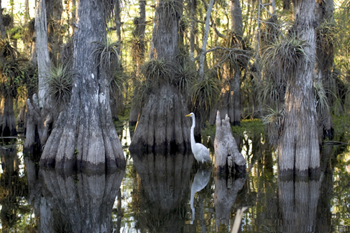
200	180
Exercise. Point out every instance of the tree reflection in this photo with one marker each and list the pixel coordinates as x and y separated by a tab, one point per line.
13	189
298	204
78	202
226	190
162	191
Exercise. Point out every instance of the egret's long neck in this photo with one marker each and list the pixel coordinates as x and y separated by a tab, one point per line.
193	142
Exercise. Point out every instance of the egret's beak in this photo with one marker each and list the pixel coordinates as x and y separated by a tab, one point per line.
188	115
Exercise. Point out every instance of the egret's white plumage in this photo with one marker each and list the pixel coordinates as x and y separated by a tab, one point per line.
200	152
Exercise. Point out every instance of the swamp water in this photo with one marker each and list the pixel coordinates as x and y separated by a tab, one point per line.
157	193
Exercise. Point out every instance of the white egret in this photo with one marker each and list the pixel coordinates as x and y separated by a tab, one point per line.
200	152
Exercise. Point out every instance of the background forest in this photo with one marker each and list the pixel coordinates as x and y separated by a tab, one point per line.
246	49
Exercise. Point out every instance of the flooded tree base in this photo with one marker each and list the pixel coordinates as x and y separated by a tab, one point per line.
162	126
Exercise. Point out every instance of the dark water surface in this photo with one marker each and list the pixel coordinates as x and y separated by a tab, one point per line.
158	193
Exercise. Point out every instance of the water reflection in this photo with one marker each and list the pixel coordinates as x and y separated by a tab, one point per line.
161	194
200	180
298	204
12	190
72	202
226	190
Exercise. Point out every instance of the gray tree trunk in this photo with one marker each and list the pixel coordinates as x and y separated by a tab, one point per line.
162	125
228	159
138	59
38	117
286	5
54	10
2	27
205	40
298	147
7	117
42	51
193	10
84	136
324	66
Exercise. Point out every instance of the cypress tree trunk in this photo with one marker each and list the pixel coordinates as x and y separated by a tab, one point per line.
84	135
298	147
38	117
7	117
230	97
324	64
2	27
162	125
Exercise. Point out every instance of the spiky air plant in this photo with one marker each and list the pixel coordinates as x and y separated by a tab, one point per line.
7	51
234	51
285	54
206	91
326	33
138	48
11	78
274	120
170	9
185	76
117	84
321	97
271	91
60	84
106	55
159	71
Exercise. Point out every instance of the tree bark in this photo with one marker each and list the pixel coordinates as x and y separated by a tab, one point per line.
205	40
193	10
54	10
324	65
2	27
286	5
38	118
162	126
7	117
42	51
138	58
228	159
298	147
84	136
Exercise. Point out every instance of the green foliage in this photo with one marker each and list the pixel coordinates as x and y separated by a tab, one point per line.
341	125
205	91
60	84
